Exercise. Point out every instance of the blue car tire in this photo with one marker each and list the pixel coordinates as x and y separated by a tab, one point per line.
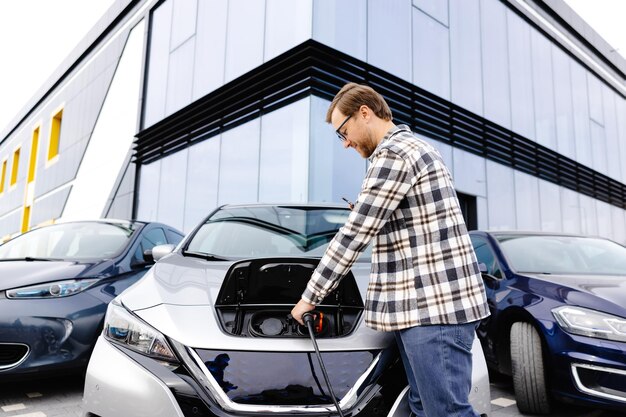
527	365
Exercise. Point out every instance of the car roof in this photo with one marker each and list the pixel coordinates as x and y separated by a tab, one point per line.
109	221
530	233
296	205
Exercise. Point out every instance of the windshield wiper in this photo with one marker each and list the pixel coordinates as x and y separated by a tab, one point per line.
205	256
30	259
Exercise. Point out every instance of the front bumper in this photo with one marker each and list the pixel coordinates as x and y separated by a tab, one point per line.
122	382
150	388
590	371
47	335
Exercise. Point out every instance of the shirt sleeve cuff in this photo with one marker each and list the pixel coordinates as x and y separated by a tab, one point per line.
311	298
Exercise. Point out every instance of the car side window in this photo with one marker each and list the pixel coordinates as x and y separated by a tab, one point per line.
485	255
150	239
173	237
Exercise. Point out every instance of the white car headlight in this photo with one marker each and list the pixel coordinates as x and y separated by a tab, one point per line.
52	289
585	322
124	328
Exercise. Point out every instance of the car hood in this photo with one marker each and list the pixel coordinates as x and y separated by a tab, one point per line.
177	297
601	292
189	281
15	274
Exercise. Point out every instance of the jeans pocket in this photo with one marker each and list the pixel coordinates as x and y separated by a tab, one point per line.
464	335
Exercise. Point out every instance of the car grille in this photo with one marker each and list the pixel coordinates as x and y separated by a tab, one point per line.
609	383
284	378
11	354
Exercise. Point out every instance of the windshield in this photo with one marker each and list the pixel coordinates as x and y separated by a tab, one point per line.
564	254
69	241
268	231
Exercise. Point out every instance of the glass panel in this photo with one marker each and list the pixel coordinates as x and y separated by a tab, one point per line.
183	21
106	155
389	36
156	87
435	9
180	77
334	172
287	23
172	189
482	213
202	176
148	191
70	241
522	106
598	148
243	232
543	90
283	174
150	239
497	99
342	25
570	208
620	104
611	135
244	38
431	55
527	201
485	255
605	226
210	47
550	201
619	225
563	254
469	173
501	201
588	214
582	130
239	164
465	65
595	98
566	143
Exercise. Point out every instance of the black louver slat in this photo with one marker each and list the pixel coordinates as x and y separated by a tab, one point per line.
312	68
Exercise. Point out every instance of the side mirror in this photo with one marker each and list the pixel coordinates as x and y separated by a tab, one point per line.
161	251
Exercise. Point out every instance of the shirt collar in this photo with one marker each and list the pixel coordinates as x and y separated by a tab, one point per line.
391	132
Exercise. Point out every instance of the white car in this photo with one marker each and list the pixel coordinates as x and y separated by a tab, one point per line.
207	331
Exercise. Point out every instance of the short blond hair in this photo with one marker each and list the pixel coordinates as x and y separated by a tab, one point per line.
352	96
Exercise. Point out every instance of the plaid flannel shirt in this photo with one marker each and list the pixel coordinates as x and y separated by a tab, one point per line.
424	269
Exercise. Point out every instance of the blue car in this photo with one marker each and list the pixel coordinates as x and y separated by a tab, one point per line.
56	283
558	317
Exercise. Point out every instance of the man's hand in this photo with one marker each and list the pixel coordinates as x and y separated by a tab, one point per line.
301	308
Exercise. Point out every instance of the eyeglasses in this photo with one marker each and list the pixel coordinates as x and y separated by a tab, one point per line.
340	135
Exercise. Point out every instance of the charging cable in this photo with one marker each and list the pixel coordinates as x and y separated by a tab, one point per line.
308	319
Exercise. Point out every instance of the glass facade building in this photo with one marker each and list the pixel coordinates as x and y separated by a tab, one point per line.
175	107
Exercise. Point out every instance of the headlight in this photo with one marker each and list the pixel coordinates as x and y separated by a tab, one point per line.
52	289
585	322
122	327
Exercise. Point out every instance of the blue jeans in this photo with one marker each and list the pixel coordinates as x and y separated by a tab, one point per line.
438	364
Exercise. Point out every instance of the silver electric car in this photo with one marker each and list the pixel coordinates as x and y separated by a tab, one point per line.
207	331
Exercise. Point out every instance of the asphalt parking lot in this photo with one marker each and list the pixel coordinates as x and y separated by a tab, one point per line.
54	398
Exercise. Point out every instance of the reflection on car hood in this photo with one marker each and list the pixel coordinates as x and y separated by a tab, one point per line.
15	274
585	289
177	280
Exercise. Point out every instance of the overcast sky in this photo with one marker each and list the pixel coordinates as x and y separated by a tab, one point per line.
37	35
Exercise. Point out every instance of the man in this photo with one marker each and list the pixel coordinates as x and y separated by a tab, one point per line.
425	284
